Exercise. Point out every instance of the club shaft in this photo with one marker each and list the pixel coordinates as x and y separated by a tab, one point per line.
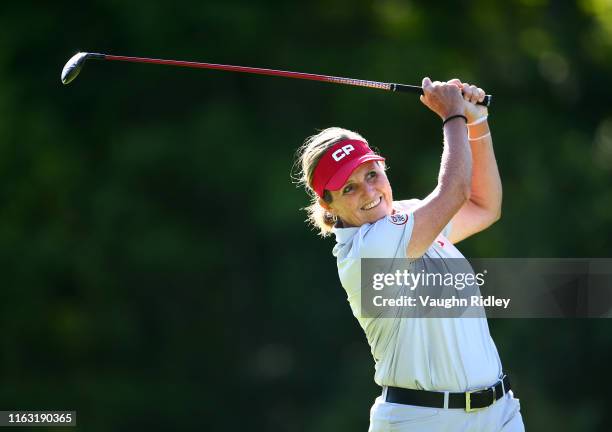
271	72
254	70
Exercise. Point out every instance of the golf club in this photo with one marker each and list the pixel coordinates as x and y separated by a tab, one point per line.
75	64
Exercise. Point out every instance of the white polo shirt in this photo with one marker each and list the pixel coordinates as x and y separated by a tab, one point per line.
436	354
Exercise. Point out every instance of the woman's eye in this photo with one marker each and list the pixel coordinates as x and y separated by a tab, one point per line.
347	189
372	174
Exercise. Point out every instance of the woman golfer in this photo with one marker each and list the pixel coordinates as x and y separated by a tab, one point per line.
437	374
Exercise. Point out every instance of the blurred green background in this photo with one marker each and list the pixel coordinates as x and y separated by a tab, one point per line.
157	271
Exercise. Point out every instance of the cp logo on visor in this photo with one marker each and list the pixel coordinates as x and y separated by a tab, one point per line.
339	154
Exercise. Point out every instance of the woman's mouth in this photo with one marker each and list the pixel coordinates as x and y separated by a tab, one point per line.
372	204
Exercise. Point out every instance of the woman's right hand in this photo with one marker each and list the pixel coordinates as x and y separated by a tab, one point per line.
443	98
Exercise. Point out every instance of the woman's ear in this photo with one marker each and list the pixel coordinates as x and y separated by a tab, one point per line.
324	204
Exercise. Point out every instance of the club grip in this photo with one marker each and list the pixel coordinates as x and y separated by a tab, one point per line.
405	88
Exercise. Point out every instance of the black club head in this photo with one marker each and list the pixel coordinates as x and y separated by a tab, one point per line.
73	67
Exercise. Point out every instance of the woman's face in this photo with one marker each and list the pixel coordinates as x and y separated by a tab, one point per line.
365	197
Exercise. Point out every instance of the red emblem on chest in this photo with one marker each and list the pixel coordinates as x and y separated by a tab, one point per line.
398	218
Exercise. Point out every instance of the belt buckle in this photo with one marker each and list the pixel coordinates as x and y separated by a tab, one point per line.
468	400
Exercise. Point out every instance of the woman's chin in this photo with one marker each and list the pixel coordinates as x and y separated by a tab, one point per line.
376	214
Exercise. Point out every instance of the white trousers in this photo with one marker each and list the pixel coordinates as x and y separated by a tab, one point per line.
503	416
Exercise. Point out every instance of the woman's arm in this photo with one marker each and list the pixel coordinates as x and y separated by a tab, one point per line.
453	189
484	206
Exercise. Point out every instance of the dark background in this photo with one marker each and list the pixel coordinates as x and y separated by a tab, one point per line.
157	271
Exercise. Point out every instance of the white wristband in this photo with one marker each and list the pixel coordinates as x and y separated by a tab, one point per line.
488	134
480	120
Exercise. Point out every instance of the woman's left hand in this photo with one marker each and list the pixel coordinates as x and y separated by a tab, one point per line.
471	95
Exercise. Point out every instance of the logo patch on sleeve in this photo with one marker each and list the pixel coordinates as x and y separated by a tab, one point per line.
398	218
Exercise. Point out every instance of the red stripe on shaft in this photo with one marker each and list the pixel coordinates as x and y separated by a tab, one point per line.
253	70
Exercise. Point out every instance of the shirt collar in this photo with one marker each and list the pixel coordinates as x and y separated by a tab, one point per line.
344	235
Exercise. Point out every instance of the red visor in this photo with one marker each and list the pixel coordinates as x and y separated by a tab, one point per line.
339	162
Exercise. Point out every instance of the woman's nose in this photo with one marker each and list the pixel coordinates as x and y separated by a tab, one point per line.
369	189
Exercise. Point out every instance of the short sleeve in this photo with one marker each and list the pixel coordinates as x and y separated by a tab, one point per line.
447	229
386	238
410	205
